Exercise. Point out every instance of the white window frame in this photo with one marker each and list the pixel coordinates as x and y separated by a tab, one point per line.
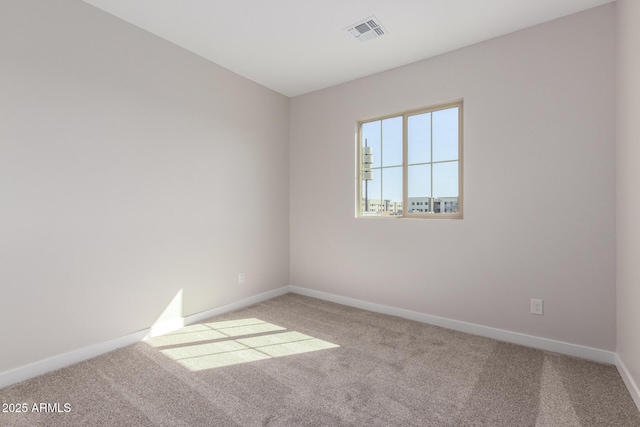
405	166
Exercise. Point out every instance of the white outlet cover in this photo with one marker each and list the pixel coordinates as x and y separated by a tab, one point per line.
537	306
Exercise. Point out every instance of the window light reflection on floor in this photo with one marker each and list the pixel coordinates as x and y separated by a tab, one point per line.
225	348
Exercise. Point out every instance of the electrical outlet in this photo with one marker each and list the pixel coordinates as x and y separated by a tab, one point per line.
536	306
241	278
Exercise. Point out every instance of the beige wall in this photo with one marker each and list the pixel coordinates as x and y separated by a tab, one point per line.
539	136
129	169
628	190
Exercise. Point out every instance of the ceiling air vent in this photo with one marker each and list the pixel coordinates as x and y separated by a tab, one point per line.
367	29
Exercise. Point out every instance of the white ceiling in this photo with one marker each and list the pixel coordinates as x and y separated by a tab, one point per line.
298	46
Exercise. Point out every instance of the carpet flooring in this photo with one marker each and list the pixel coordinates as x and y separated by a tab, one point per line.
299	361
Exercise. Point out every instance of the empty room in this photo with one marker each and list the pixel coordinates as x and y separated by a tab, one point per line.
327	213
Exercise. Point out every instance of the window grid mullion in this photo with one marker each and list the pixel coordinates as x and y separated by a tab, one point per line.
405	168
431	162
381	161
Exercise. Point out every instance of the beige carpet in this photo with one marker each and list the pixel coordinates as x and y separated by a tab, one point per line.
299	361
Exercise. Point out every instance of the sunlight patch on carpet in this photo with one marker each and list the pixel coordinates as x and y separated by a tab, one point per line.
224	348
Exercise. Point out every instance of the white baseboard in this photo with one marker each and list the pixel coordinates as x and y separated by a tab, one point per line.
575	350
633	388
35	369
60	361
245	302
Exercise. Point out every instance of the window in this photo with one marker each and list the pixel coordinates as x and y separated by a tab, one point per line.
411	159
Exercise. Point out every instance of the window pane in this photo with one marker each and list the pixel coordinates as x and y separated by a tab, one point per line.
392	190
419	181
371	193
419	188
371	137
419	138
445	134
445	179
392	141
